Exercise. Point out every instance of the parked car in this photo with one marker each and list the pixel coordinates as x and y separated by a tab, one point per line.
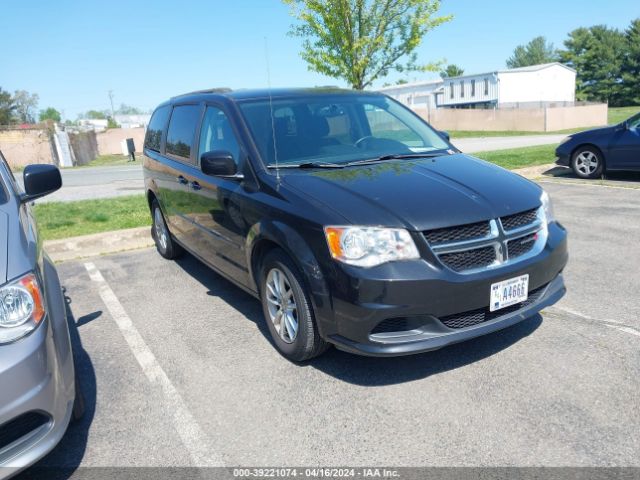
352	220
593	152
38	393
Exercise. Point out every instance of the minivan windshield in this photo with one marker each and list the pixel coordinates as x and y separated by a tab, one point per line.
336	129
3	188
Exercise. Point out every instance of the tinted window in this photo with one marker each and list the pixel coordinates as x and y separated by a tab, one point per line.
182	126
156	126
216	134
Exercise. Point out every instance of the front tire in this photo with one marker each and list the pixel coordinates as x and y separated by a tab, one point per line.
287	309
165	244
587	162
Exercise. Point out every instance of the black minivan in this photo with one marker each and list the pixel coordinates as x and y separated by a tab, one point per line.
353	221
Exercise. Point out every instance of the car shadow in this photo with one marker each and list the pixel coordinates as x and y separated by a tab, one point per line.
64	459
613	178
359	370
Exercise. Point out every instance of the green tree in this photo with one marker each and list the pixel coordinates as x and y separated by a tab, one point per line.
361	41
50	114
631	66
451	71
128	110
535	52
7	107
26	105
597	54
96	115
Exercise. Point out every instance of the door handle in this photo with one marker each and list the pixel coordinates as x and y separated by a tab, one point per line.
182	180
195	186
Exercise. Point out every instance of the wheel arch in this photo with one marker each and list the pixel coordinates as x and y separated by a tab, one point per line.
265	236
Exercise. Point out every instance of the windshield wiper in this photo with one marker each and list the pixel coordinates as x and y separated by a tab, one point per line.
307	165
398	156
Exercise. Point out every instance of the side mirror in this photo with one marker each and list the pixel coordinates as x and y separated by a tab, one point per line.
40	180
445	135
219	163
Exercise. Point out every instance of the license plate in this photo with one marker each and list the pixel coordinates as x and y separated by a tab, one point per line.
509	292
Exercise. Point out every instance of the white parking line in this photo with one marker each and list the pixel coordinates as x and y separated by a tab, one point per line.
609	323
192	436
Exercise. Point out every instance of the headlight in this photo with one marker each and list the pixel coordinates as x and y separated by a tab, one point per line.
547	207
370	246
21	308
565	140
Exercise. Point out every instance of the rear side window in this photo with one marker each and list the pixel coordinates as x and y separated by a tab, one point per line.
182	127
156	126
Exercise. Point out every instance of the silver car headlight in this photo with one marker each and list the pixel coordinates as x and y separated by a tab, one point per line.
547	207
21	308
369	246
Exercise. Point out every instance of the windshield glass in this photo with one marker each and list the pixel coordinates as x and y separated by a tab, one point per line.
336	129
634	122
3	186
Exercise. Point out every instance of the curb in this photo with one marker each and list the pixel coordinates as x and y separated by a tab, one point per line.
97	244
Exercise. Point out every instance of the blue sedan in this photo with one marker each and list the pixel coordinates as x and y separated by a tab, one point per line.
591	153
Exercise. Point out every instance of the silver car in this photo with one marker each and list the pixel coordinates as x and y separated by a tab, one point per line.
37	378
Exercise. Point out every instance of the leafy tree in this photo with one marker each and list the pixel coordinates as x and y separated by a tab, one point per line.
50	114
631	66
128	110
96	115
7	107
26	104
535	52
361	41
597	54
451	71
111	123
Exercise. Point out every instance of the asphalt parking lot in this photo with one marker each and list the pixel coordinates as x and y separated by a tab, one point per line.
177	370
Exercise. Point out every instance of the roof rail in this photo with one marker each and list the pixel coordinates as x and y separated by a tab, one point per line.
207	90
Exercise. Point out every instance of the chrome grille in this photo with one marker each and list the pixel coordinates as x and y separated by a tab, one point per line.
522	245
519	219
477	246
469	259
481	315
457	234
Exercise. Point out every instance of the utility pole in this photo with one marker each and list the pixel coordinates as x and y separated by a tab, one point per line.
113	113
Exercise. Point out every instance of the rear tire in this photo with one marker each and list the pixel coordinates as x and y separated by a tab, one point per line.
165	244
587	162
78	403
287	309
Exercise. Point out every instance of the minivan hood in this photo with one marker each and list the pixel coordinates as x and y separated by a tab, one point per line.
4	242
419	194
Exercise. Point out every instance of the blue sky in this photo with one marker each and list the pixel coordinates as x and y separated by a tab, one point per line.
73	52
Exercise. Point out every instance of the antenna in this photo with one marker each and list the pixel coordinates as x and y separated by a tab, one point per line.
273	120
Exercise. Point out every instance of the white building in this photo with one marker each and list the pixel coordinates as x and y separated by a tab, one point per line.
420	94
132	121
549	84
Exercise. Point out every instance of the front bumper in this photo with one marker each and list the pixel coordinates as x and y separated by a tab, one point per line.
563	157
36	376
422	292
428	341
